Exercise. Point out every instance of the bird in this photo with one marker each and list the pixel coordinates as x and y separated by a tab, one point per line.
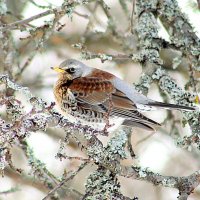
100	99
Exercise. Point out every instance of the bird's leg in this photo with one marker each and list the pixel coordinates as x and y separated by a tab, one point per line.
107	114
130	147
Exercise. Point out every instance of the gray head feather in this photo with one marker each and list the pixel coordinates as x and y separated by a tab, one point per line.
75	68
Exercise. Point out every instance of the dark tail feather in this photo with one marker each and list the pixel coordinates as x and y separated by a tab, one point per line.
146	126
171	106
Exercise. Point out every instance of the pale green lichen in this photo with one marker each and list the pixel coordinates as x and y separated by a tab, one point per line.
102	184
116	145
105	57
169	86
10	84
144	84
170	9
110	155
180	30
38	103
158	73
40	121
143	173
146	5
147	32
14	110
170	182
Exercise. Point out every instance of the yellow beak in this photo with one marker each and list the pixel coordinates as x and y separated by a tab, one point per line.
57	69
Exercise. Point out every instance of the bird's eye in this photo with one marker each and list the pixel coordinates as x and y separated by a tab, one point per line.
71	70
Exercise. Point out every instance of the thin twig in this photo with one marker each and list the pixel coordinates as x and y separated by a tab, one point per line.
81	15
132	13
59	155
15	25
40	6
89	24
64	181
26	64
130	148
93	12
144	139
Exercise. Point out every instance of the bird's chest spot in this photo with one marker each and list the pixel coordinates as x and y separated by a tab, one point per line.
68	101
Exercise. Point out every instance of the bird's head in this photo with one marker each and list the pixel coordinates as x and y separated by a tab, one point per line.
72	69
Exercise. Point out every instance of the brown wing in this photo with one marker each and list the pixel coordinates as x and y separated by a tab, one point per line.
93	93
96	91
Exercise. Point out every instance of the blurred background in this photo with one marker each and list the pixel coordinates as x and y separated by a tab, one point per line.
88	25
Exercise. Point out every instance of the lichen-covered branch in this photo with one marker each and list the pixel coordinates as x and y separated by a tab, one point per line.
107	157
180	30
103	38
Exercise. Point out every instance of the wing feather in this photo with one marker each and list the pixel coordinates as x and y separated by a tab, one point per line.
94	93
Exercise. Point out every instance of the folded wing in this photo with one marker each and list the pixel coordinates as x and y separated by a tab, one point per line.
100	95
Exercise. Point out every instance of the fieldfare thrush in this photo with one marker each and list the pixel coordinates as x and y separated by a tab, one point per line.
92	96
